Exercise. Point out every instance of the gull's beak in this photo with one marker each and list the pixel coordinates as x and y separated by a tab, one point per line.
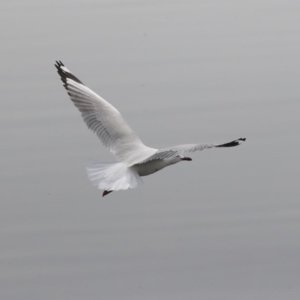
186	158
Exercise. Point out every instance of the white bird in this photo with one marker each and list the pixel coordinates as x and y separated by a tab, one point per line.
134	159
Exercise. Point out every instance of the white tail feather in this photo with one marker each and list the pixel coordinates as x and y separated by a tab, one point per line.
113	176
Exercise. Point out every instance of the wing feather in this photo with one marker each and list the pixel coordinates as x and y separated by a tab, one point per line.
181	149
105	120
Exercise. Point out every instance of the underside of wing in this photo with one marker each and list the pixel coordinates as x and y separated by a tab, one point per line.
103	119
181	149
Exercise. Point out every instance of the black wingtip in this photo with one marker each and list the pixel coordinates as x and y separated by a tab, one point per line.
106	192
58	64
64	73
233	143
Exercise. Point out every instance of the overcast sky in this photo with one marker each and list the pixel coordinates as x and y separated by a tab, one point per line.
224	226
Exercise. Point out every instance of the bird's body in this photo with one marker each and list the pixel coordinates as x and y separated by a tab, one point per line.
153	166
134	159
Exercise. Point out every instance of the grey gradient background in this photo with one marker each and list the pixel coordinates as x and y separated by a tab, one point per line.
225	226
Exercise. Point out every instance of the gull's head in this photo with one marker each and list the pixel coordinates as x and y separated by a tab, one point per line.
181	157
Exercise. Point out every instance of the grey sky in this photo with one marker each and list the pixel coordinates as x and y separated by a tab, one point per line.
225	226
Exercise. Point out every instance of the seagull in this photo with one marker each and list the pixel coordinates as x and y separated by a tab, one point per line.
134	158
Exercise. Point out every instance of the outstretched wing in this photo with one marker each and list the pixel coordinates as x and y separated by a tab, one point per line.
179	150
105	120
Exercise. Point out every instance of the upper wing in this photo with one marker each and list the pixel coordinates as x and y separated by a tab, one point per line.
179	150
105	120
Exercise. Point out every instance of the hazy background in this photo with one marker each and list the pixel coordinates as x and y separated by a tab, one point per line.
225	226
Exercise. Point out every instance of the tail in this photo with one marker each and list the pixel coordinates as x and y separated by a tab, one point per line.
113	176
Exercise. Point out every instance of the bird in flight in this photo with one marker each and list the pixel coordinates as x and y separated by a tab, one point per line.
134	159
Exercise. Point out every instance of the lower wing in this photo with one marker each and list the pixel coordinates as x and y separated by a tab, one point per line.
179	150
